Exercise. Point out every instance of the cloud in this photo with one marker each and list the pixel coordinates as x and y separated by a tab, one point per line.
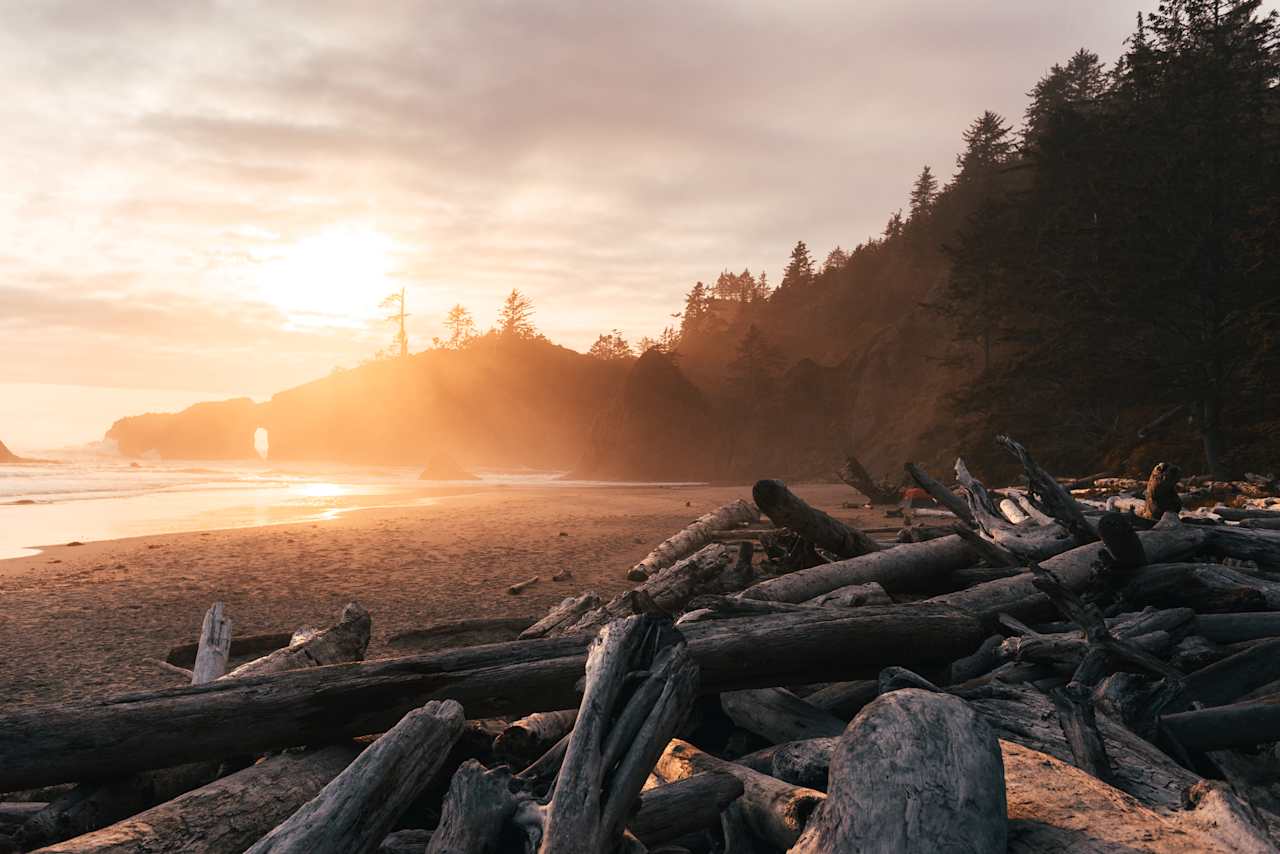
599	156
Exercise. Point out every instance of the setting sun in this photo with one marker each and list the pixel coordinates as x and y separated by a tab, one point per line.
334	278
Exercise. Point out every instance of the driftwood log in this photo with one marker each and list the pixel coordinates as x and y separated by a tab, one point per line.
222	817
92	805
615	741
354	811
112	736
915	771
214	647
906	566
347	640
940	493
774	810
788	511
184	655
693	537
568	612
525	740
854	474
668	812
778	715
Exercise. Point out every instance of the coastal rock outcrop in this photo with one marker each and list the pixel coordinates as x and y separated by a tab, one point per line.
221	430
445	467
7	456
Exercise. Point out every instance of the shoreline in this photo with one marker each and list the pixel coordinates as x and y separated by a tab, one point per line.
85	621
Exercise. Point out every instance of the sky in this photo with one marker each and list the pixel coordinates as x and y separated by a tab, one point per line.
210	198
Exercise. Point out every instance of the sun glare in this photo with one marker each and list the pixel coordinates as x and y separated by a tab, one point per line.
334	278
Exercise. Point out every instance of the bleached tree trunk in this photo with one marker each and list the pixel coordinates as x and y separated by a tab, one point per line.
214	647
693	537
345	641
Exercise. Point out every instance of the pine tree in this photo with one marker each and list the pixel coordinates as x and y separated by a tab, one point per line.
515	317
836	259
799	271
395	302
1074	86
611	346
988	146
923	193
893	228
461	327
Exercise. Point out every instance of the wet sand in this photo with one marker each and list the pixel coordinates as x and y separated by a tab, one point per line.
82	621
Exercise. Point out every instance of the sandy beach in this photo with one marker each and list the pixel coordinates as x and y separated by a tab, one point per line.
83	621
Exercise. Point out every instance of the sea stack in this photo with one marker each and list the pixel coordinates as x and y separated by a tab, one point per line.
7	456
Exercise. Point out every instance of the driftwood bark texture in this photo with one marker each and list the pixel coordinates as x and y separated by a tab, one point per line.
354	811
214	646
694	536
789	511
916	771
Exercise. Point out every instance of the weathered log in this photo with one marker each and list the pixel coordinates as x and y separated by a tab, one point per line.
844	699
225	816
93	804
453	628
788	511
347	640
984	659
476	811
1049	496
915	771
908	566
1233	628
1233	677
615	741
1220	727
214	647
1026	541
668	812
852	596
112	736
184	655
1018	595
17	812
854	474
940	493
1027	717
1251	544
523	741
1206	587
520	586
569	611
1240	514
728	607
1053	806
778	715
774	810
355	810
805	762
693	537
407	841
1162	491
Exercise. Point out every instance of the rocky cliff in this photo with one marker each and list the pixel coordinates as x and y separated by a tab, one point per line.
221	430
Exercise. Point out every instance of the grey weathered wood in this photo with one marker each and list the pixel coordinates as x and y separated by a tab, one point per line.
569	611
789	511
1233	628
844	699
615	741
476	811
408	841
693	537
222	817
346	641
805	762
1221	727
1028	541
905	566
117	735
96	804
778	715
714	568
354	812
184	655
1206	587
668	812
214	647
853	596
940	493
526	739
774	810
1018	595
1236	675
452	628
520	586
1049	495
915	771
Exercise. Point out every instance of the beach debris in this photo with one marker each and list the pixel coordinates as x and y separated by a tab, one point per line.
520	586
1042	654
563	575
214	646
693	536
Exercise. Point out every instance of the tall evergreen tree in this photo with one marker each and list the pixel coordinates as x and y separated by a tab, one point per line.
923	193
515	319
799	271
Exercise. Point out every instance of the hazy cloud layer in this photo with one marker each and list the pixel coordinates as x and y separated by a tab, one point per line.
159	158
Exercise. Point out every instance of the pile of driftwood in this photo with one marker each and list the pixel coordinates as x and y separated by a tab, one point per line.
1032	670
